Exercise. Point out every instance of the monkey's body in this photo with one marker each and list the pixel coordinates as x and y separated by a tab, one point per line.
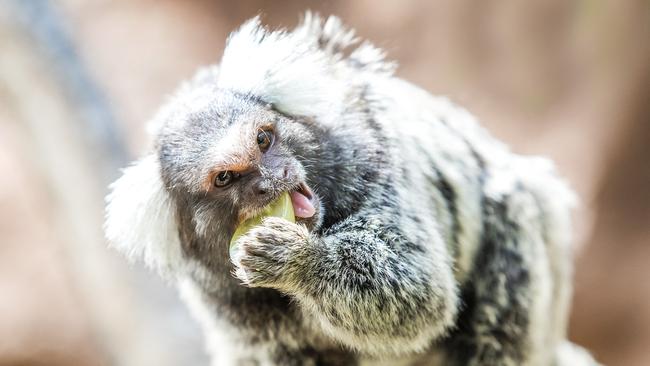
432	243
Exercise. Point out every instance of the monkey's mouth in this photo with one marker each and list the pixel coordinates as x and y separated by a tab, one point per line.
303	202
302	199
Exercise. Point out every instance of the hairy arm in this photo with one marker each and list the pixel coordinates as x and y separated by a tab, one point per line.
363	281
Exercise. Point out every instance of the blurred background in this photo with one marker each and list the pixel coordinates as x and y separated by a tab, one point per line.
80	78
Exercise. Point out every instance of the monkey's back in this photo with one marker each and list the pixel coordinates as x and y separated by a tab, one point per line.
501	215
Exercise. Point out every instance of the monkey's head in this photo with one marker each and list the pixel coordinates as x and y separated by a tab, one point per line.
220	157
225	156
241	134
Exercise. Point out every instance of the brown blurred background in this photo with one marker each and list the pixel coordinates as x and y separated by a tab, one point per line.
79	79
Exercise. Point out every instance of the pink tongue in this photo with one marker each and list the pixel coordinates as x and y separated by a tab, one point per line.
302	206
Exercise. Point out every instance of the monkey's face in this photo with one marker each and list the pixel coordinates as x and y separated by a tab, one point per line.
226	158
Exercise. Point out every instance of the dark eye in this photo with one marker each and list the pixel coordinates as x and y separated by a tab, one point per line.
222	179
264	139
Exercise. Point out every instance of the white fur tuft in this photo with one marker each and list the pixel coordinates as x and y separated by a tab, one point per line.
140	218
569	354
303	72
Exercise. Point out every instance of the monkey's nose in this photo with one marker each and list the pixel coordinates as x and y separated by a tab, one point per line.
262	188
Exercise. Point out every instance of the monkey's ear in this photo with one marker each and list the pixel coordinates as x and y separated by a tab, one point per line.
141	218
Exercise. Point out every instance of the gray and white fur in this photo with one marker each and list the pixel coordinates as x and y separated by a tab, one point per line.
432	244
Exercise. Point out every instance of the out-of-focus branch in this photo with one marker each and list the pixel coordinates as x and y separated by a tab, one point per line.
78	151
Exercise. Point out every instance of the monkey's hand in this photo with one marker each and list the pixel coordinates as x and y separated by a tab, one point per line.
266	254
362	281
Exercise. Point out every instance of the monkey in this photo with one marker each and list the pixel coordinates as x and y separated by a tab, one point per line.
419	238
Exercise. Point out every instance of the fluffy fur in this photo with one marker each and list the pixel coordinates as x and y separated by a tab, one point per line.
293	70
141	222
432	243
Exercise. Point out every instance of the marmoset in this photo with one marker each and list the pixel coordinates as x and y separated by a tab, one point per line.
418	239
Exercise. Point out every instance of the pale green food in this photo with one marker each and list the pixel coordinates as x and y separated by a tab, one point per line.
281	207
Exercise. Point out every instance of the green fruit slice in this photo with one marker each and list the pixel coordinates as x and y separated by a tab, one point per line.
281	207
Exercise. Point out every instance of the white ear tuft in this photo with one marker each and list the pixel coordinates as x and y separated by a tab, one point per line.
141	218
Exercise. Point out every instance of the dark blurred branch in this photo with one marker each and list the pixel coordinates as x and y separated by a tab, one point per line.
77	149
43	23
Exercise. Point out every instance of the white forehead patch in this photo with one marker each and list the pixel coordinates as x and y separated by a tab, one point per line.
302	72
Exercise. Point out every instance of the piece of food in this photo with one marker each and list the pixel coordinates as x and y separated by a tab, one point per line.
281	207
